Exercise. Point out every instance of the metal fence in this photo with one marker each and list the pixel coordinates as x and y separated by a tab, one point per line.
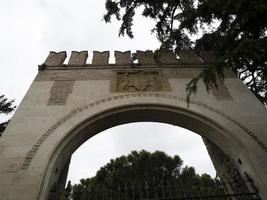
169	190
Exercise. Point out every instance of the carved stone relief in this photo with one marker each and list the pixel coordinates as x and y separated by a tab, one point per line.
140	81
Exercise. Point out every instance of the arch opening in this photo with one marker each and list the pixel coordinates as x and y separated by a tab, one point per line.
122	140
211	131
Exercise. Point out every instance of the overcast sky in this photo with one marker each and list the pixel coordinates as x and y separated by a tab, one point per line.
32	28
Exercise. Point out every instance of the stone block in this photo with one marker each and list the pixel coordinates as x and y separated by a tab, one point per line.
189	57
14	151
60	91
55	59
78	58
122	58
145	57
207	56
168	58
100	58
9	165
19	191
221	92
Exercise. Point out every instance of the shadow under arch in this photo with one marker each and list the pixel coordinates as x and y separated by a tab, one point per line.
185	118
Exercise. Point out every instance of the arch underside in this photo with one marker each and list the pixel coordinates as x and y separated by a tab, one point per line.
93	125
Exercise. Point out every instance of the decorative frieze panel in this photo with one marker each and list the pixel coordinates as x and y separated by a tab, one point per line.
140	81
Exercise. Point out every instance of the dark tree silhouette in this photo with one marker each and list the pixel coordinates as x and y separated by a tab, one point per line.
144	175
6	107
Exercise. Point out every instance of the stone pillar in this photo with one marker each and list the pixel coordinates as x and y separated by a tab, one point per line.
78	58
100	58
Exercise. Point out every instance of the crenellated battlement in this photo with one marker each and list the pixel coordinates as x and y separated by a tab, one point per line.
81	58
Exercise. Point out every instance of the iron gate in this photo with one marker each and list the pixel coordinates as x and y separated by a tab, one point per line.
170	190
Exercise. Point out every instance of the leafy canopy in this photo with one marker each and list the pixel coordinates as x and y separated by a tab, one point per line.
140	170
234	30
6	107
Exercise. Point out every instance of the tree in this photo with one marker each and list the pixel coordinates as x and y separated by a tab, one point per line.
68	190
6	107
143	174
235	30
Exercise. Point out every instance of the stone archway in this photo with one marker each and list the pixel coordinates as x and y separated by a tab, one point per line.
67	104
138	113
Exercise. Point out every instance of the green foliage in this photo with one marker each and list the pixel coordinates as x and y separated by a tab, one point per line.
6	107
139	171
68	190
234	30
